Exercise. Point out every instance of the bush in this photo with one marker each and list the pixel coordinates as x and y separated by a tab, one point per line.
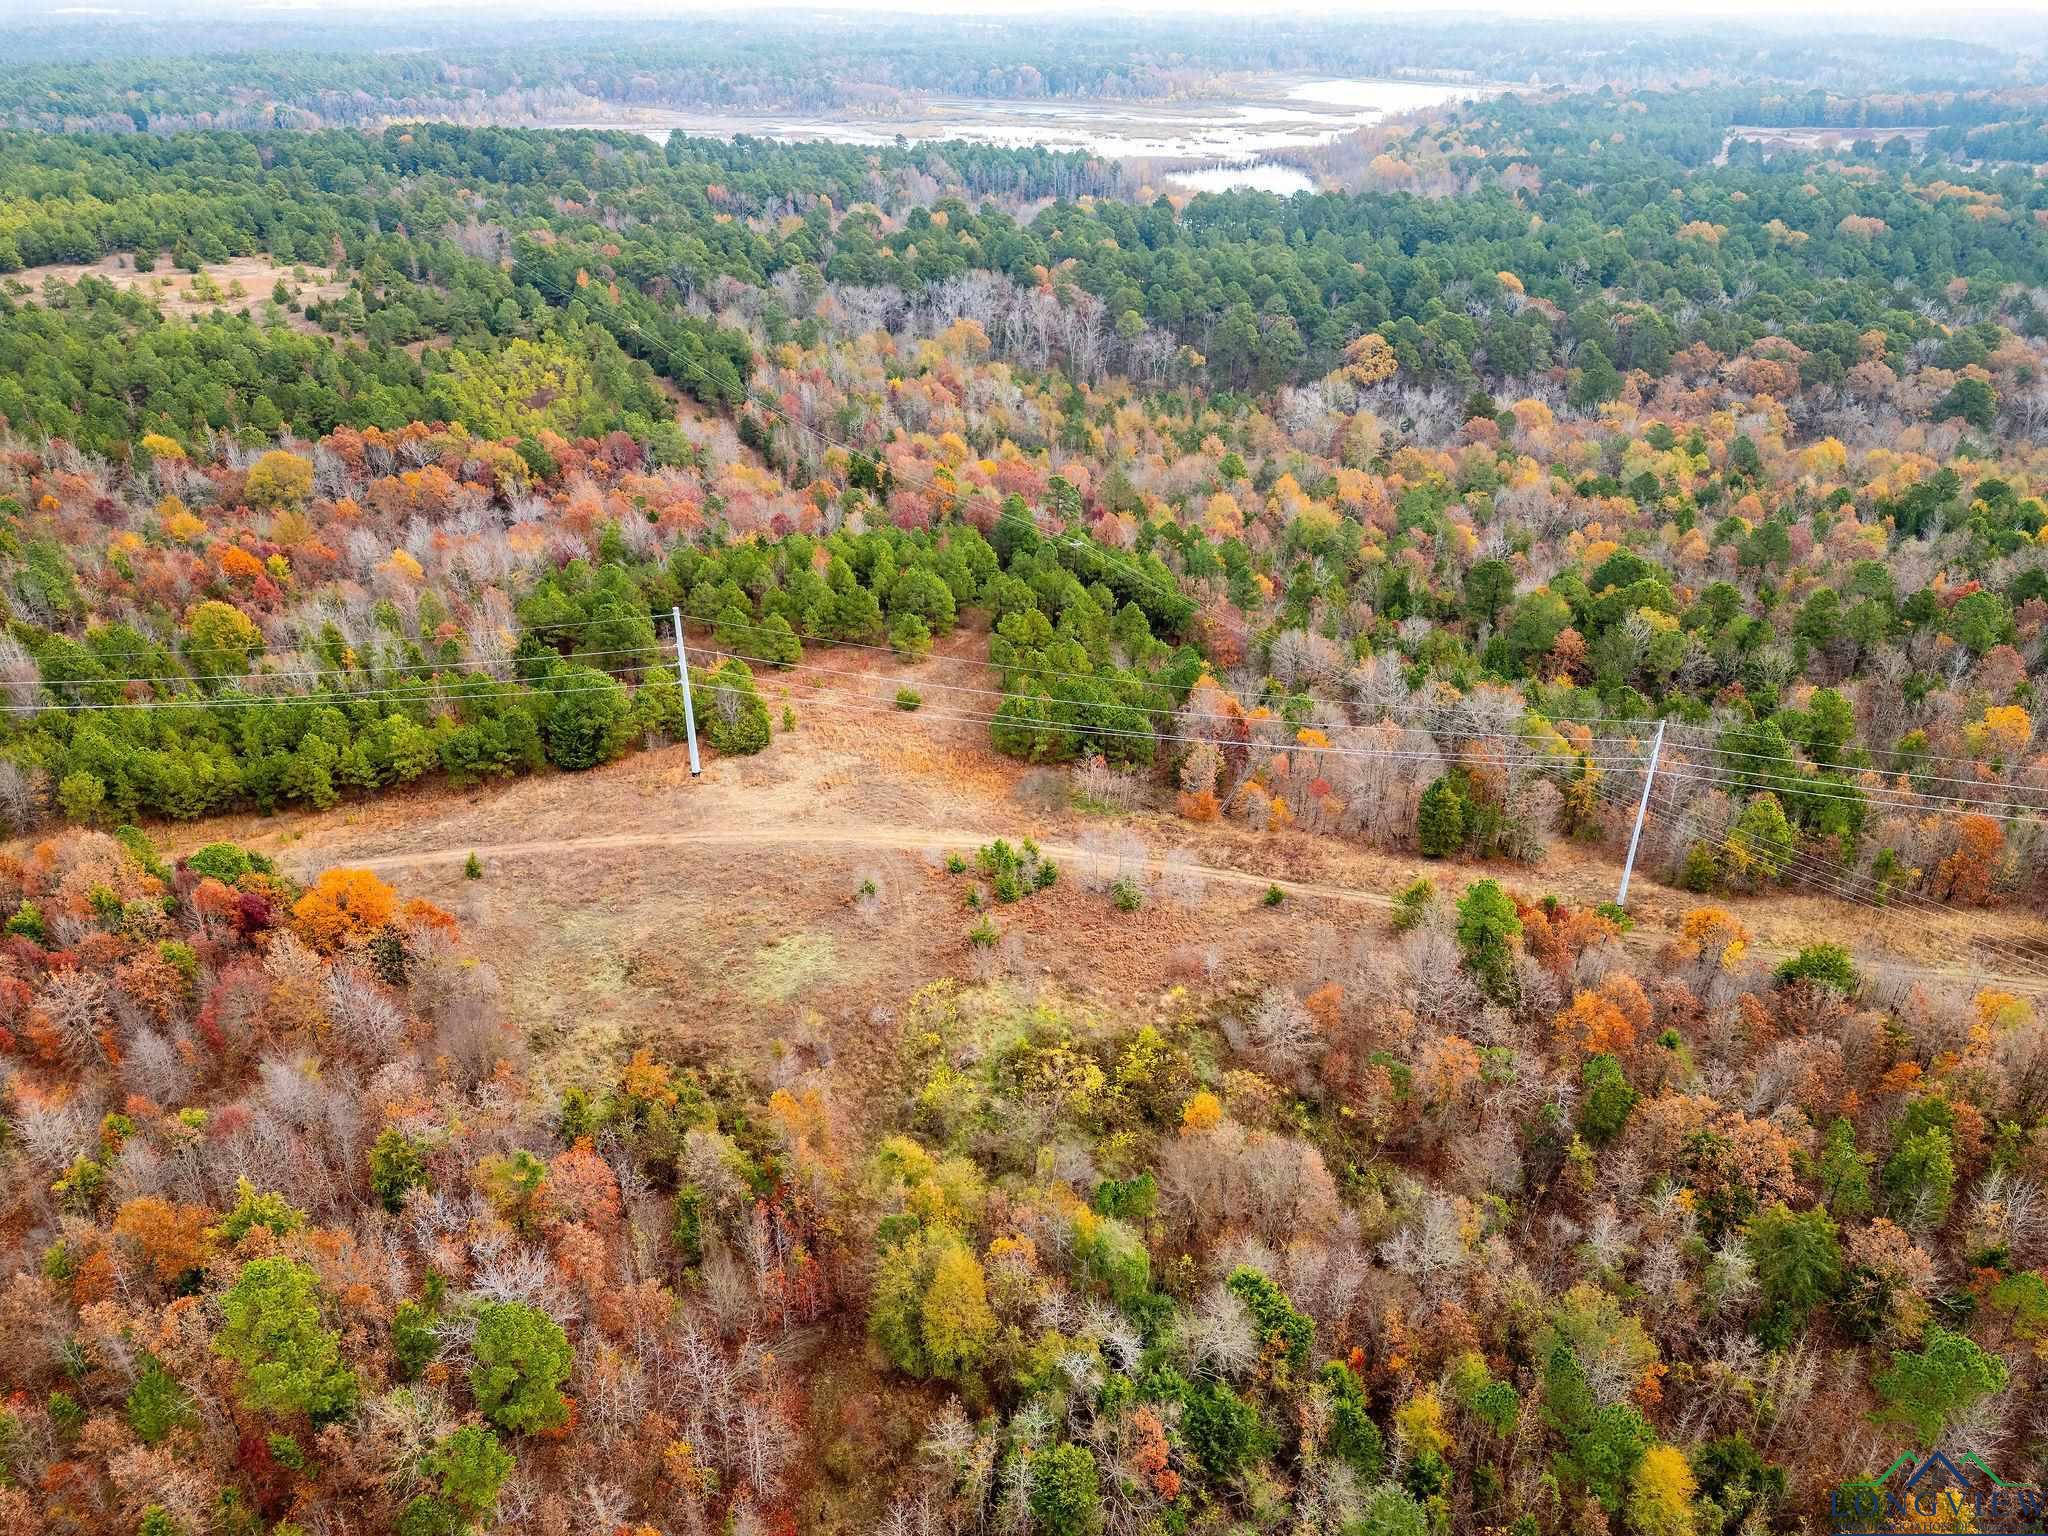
908	699
736	721
472	867
1825	965
1412	906
1274	896
1126	894
1701	871
226	862
397	1164
1066	1493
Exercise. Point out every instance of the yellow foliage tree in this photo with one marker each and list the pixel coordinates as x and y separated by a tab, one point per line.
1370	360
958	1324
2006	729
1661	1493
177	520
278	479
1203	1112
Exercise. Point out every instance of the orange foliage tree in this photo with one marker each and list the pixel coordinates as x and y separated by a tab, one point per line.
344	907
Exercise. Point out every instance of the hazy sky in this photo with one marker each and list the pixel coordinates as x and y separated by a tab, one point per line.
2030	17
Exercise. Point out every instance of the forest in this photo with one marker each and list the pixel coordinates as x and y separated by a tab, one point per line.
170	68
346	459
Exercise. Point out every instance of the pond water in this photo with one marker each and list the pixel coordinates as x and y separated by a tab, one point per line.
1226	137
1252	176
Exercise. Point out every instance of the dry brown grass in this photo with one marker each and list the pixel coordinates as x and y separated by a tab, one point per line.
174	290
717	917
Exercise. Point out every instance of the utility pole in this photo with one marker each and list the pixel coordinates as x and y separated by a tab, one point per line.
690	715
1642	809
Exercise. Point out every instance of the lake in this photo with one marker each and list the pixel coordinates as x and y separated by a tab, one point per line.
1214	144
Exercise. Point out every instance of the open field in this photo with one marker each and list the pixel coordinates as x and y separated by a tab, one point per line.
721	919
241	285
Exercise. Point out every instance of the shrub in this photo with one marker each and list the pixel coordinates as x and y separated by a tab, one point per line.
736	721
27	922
983	935
908	699
472	867
1066	1492
1825	965
1126	894
397	1164
226	863
1411	906
1274	896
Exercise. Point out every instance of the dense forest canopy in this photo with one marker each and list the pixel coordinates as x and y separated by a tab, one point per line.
162	70
1693	391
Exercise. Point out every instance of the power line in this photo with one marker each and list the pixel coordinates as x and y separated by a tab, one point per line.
1933	805
1837	882
314	672
1086	730
414	693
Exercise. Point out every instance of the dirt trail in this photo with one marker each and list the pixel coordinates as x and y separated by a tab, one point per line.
918	839
600	935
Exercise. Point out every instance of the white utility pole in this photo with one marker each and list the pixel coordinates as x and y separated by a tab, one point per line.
690	715
1642	809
